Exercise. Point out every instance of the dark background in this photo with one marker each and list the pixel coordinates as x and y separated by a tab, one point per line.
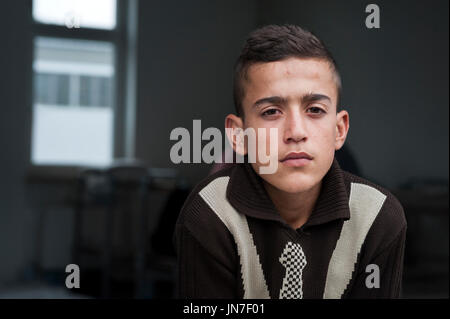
395	82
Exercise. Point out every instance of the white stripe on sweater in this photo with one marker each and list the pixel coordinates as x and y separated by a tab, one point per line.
365	203
214	194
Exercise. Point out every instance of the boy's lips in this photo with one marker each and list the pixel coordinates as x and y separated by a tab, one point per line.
296	159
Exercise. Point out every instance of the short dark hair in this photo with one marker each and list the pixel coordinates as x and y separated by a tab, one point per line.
274	43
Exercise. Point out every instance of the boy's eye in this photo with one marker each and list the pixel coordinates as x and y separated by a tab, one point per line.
315	110
270	112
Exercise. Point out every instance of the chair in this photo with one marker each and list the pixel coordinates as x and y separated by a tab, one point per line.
116	189
106	189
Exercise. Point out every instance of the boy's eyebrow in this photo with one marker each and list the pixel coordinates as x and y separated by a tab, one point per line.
270	100
305	99
314	97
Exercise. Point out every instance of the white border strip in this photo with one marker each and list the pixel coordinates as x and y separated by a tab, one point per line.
365	203
214	194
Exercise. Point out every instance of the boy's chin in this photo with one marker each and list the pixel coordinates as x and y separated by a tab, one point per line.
292	185
296	188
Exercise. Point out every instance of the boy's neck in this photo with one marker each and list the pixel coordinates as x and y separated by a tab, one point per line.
295	209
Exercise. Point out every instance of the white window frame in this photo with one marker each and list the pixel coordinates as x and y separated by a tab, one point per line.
123	38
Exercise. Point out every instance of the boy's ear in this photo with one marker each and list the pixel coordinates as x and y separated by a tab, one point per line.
235	133
342	126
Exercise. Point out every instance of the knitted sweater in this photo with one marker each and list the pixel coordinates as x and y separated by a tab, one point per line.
232	243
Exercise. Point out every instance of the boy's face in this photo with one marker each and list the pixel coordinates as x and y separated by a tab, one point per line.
298	97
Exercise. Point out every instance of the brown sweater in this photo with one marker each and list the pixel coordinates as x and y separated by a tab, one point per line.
232	243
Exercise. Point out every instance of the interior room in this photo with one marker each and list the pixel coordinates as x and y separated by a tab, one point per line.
93	89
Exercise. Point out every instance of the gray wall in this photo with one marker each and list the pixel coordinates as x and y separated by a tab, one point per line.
16	220
395	80
186	55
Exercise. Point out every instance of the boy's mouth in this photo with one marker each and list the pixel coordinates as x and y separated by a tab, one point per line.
297	159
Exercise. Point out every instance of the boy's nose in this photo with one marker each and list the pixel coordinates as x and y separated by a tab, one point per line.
294	129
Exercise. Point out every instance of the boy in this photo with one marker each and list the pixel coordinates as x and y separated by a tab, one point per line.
308	230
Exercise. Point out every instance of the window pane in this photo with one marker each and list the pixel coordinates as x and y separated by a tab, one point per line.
52	88
94	90
99	14
73	102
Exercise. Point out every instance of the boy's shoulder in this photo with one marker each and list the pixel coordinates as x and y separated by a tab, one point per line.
190	204
199	219
391	200
198	222
391	219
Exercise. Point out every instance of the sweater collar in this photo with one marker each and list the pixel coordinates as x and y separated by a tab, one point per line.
246	193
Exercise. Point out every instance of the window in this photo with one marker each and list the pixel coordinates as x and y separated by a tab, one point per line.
98	14
77	50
